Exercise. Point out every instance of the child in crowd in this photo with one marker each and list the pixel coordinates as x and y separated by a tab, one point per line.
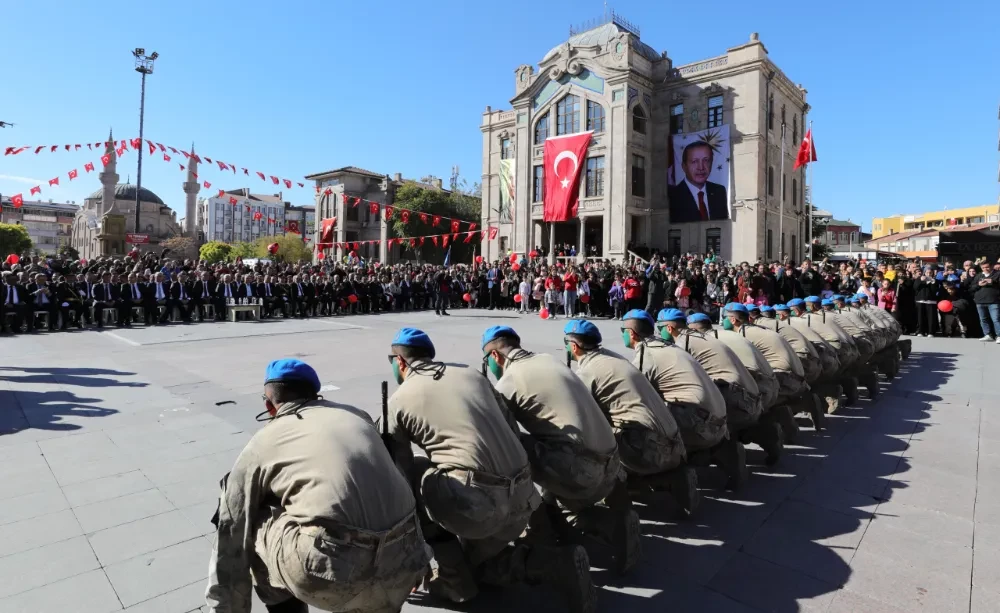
524	290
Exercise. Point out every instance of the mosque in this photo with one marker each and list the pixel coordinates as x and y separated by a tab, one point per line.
107	216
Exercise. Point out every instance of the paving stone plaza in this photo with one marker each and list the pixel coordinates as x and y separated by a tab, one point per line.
113	444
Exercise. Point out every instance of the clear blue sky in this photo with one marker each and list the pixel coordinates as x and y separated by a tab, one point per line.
901	91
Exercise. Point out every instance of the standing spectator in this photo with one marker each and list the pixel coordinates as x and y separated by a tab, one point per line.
657	287
524	290
632	291
987	298
616	298
570	282
887	297
926	292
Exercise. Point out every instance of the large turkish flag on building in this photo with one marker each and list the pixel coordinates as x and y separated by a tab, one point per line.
564	158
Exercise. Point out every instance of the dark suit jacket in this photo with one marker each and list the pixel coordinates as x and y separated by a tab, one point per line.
241	291
683	207
125	293
22	295
151	291
175	290
99	294
31	288
220	291
276	290
82	286
198	292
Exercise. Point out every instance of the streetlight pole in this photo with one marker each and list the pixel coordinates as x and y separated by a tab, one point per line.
144	66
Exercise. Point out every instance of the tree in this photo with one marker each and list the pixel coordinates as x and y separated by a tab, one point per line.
820	249
290	248
181	247
433	202
214	252
243	250
13	239
67	251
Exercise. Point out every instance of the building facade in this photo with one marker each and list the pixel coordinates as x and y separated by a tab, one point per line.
251	217
640	108
49	224
301	220
101	226
840	234
940	220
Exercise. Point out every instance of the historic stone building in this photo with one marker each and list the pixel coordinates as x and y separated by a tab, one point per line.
108	215
639	106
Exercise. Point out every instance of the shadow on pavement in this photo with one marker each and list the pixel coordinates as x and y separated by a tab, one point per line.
45	410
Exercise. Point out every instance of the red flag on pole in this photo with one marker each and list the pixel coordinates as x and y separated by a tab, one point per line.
17	201
72	174
36	190
222	193
807	151
563	161
232	200
89	166
257	216
207	185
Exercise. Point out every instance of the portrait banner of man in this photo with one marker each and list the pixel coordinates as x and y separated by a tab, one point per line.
700	176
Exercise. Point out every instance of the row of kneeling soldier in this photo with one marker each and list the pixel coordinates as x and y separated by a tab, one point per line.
525	481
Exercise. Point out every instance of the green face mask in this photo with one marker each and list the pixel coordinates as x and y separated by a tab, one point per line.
666	335
569	352
494	367
627	338
395	372
727	324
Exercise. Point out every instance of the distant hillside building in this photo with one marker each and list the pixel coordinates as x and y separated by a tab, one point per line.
935	220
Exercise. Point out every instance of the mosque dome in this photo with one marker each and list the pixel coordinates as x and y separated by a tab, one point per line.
126	191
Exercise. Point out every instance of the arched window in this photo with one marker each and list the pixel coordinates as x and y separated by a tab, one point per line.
542	129
595	117
639	120
568	115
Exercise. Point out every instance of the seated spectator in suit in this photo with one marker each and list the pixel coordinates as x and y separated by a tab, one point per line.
14	299
131	294
69	300
105	296
44	300
202	293
180	296
226	293
157	295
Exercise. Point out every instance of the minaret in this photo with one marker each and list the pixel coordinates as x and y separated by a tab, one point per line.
109	177
191	189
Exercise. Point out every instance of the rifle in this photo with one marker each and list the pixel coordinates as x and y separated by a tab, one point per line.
386	437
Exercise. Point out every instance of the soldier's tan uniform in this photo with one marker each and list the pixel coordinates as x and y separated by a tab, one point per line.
755	362
570	443
828	354
477	481
649	441
812	365
315	509
833	334
736	384
779	354
693	398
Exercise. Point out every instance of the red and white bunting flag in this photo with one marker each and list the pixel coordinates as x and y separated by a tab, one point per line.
301	184
195	175
246	172
54	181
232	200
37	149
288	183
53	148
120	151
373	208
207	159
274	179
329	192
388	212
106	159
468	236
166	158
357	201
260	174
482	235
436	221
152	147
172	150
17	201
472	226
136	143
162	148
72	174
248	207
493	233
405	216
444	241
76	147
89	166
257	215
89	146
67	147
270	220
222	193
182	166
222	165
207	185
36	190
423	218
413	242
344	196
186	155
454	226
434	240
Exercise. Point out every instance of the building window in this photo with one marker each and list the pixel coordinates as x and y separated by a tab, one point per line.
677	119
568	115
795	193
770	244
506	151
783	184
715	111
782	117
674	242
783	252
639	120
538	184
542	129
595	176
795	249
713	240
638	175
770	180
795	129
770	112
595	117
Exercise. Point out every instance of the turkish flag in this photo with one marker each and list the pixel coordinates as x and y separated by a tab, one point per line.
72	174
493	233
162	148
152	147
326	230
36	190
472	226
405	216
564	156
468	236
222	165
357	201
232	200
423	218
454	226
207	185
17	201
207	159
374	208
807	151
67	147
288	183
222	193
37	149
166	158
261	175
436	220
444	241
257	216
53	148
54	181
89	166
388	212
275	179
174	150
434	240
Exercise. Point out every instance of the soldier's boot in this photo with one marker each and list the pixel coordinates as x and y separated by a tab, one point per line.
870	381
905	346
768	435
850	385
785	415
817	411
452	579
731	457
292	605
683	485
568	570
625	540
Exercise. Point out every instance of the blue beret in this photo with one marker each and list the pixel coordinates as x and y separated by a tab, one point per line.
670	315
836	297
582	327
639	314
794	302
411	337
812	299
765	309
752	307
783	307
736	307
827	302
494	332
860	297
290	369
697	318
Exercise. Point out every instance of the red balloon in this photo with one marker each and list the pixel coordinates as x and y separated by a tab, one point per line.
479	259
321	256
352	298
945	306
515	267
517	298
272	248
585	298
13	259
533	254
513	257
544	313
467	297
685	291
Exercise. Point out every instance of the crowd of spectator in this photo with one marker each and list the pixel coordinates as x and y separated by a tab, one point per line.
157	290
